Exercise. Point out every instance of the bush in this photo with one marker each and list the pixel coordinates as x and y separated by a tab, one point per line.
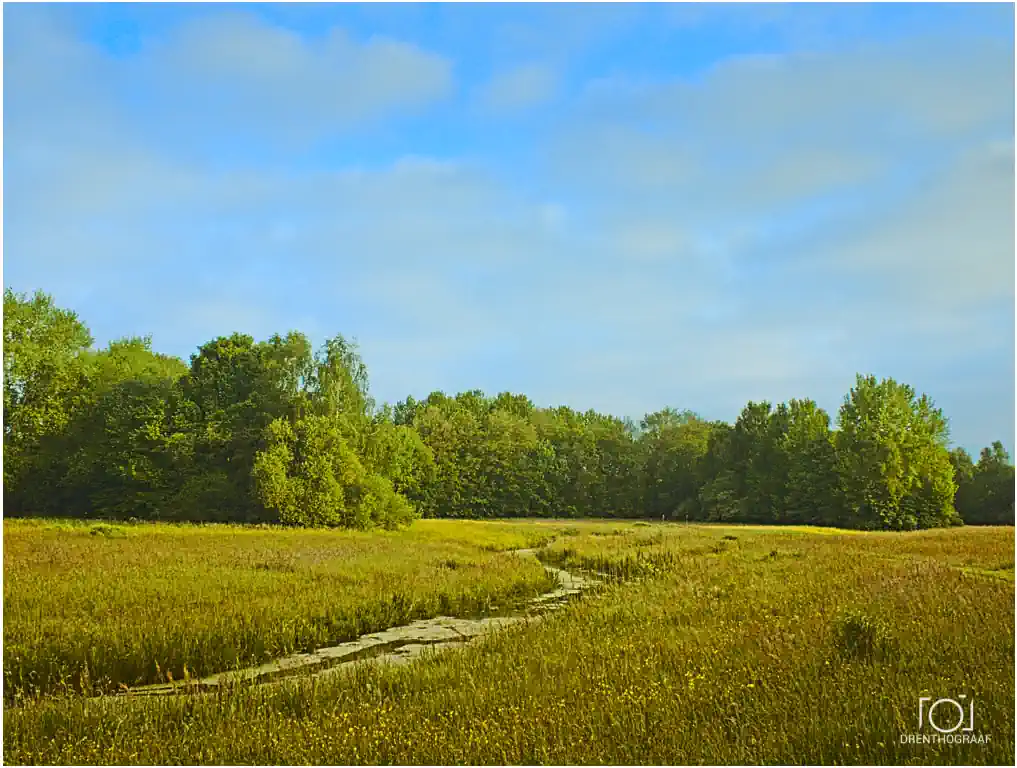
310	474
858	635
109	531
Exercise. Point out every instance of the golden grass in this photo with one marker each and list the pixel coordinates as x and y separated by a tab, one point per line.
731	649
97	606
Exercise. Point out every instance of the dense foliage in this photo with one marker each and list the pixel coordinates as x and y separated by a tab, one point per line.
273	431
985	491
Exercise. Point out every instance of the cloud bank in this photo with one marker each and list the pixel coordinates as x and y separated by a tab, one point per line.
763	227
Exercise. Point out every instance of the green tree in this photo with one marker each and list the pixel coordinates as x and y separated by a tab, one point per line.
398	453
310	474
234	389
231	402
656	422
674	445
43	376
112	458
274	431
118	462
615	482
453	435
986	493
129	359
748	470
338	382
719	491
591	463
812	493
569	462
895	467
963	474
504	445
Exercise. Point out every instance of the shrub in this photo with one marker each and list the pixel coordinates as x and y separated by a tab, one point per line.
310	474
859	635
109	531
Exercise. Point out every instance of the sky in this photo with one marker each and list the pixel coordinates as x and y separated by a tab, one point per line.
617	207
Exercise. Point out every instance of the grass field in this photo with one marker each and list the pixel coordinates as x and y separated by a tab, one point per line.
711	644
92	607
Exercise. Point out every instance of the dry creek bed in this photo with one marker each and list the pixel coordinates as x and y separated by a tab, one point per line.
397	645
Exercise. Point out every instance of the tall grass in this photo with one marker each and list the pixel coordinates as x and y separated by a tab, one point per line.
95	607
749	647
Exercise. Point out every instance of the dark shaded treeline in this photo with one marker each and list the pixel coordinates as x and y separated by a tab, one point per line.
274	431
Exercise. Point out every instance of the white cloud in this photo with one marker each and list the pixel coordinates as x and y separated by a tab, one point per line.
553	216
950	244
520	88
766	156
246	70
650	241
938	85
763	231
220	75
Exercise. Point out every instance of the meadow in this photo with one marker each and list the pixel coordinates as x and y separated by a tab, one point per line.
709	644
92	608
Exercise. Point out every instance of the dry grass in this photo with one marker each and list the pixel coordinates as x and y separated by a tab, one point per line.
742	645
97	606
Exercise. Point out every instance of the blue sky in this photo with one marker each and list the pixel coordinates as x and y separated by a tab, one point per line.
617	207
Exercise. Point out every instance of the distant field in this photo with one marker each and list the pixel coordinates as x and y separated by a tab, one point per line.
710	644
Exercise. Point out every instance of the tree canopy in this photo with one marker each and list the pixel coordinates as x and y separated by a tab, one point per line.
275	431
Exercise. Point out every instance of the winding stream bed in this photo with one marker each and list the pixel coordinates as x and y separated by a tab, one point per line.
397	645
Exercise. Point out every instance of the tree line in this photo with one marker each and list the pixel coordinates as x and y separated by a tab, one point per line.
278	432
